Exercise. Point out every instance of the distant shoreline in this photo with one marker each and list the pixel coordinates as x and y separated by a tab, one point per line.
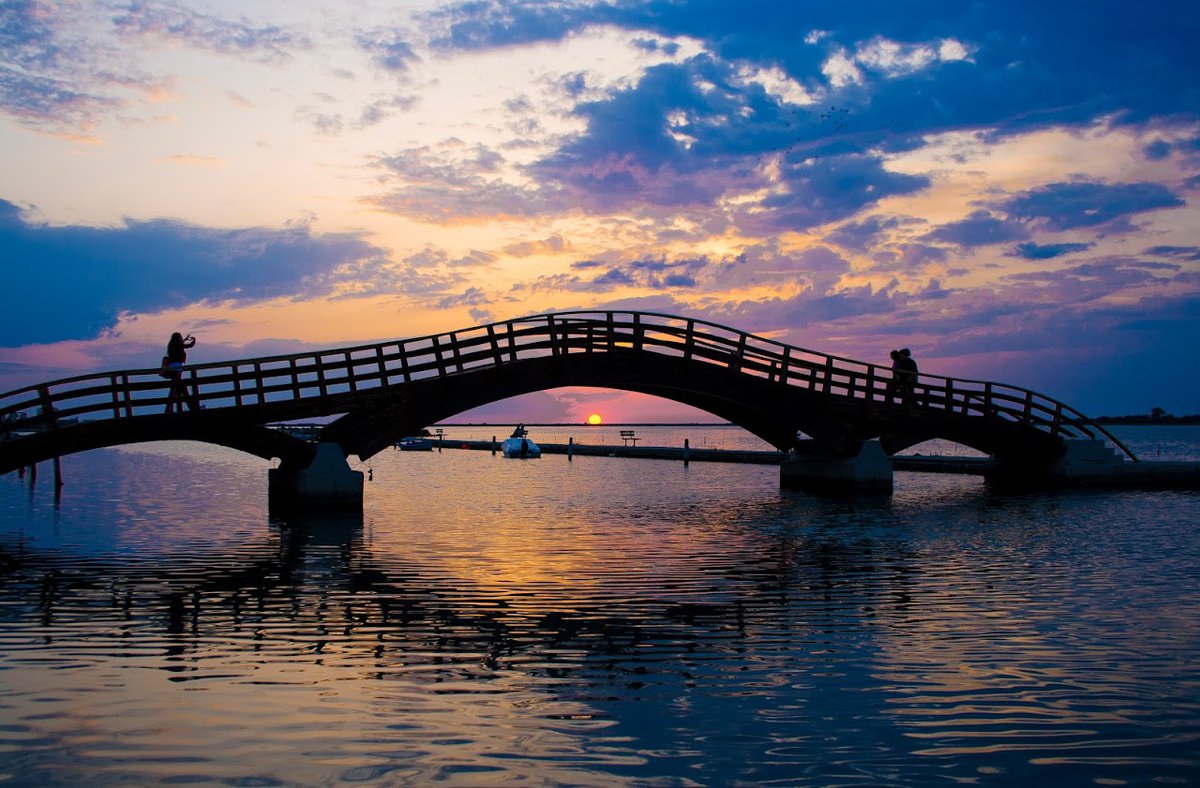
1140	421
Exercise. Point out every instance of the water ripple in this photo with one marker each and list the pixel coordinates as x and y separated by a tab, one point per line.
620	622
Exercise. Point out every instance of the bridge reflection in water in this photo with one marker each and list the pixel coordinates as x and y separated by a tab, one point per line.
625	624
851	411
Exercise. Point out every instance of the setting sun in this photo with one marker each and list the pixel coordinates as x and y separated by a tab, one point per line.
594	419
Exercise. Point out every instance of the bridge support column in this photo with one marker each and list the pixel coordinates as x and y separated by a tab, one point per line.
1083	463
327	483
812	468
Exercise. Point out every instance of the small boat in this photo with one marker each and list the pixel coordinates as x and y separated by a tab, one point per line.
519	446
414	443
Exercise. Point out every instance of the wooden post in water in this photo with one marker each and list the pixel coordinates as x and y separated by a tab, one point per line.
493	445
686	450
570	449
58	479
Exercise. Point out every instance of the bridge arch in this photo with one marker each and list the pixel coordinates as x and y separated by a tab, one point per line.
394	388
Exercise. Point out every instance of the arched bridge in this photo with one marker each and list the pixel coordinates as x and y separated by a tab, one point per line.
383	391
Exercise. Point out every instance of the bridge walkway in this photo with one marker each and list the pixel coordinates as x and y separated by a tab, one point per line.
772	388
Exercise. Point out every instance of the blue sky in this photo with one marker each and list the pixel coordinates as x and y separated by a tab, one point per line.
1007	188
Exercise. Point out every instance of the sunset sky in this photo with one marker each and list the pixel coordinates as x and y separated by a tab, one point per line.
1007	188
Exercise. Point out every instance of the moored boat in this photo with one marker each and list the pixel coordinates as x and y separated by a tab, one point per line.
519	446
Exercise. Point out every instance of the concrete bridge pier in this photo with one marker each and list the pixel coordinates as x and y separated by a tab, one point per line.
814	468
1083	463
327	483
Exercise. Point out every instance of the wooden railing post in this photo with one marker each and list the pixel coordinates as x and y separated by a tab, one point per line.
437	355
638	331
404	362
381	365
491	329
321	376
454	349
689	340
127	395
295	378
554	350
735	364
350	373
612	331
47	407
237	384
827	383
785	372
259	384
116	401
512	343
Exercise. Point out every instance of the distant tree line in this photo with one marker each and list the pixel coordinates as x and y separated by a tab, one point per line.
1156	416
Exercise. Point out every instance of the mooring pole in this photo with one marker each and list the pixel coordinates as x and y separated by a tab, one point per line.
570	449
686	450
493	445
58	477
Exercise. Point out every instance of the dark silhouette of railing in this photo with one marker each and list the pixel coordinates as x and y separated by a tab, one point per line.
326	381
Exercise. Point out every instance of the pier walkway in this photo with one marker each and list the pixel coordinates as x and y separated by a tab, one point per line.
1158	474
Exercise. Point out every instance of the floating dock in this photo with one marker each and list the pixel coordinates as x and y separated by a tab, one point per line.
965	465
1178	475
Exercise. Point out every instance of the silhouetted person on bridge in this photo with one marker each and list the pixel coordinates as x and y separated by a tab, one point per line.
905	374
893	385
173	362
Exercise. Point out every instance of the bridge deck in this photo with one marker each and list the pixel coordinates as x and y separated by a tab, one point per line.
768	387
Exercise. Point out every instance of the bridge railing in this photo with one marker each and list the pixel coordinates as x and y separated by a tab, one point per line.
330	374
832	375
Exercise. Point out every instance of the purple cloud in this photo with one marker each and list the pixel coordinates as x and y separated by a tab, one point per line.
1157	150
1020	65
863	235
490	24
1068	206
981	228
908	257
828	189
45	80
1035	251
1188	253
266	43
86	277
388	50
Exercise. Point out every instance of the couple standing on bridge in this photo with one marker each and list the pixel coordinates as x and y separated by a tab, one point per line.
904	376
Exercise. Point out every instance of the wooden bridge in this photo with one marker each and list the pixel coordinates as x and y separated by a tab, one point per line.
383	391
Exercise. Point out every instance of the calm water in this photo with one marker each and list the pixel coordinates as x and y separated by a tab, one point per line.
595	622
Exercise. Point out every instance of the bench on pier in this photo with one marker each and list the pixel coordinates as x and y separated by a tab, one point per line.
628	437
